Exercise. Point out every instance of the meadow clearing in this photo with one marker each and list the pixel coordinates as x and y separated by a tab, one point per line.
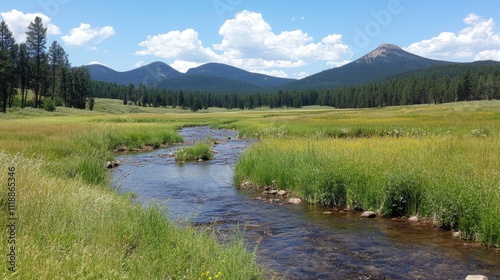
71	223
438	161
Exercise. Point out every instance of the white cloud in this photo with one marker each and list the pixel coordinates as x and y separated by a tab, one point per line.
249	36
477	40
18	23
488	55
181	45
273	72
97	62
337	63
301	75
85	34
301	18
139	64
183	66
248	42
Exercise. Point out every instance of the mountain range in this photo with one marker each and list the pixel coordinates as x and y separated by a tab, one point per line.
385	61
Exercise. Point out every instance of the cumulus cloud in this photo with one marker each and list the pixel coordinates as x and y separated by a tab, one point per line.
478	40
183	66
248	42
301	75
18	23
85	34
249	37
181	45
273	72
488	55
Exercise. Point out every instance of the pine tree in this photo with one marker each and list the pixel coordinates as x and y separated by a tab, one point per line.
56	59
24	72
6	62
81	85
65	76
180	99
36	40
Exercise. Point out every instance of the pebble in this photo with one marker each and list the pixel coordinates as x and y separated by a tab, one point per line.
246	185
281	193
369	214
295	200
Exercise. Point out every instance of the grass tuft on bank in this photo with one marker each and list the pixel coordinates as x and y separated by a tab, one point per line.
199	151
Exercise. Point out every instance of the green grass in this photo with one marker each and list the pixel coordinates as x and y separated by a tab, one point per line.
442	169
69	229
199	151
439	161
73	225
454	181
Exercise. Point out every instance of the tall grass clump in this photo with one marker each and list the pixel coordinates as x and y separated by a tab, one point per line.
454	181
199	151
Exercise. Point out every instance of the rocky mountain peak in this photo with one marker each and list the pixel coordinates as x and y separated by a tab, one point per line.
384	52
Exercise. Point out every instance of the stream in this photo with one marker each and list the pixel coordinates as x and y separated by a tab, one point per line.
296	241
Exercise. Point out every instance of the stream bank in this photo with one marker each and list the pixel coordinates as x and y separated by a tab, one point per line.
295	241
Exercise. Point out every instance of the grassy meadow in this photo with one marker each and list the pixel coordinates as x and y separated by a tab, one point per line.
435	161
438	161
71	224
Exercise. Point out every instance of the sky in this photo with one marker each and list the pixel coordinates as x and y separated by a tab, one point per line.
283	38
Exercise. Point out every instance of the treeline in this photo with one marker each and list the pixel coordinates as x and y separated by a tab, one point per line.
47	74
442	84
438	85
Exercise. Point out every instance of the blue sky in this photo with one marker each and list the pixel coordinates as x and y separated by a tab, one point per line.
282	38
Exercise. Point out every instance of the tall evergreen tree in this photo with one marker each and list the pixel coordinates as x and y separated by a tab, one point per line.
65	76
130	92
14	80
124	97
81	85
56	61
36	40
6	62
24	72
180	99
464	89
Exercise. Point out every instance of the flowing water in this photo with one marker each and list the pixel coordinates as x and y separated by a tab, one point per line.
296	241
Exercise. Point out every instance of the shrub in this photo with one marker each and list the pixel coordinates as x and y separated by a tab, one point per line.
49	105
91	104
